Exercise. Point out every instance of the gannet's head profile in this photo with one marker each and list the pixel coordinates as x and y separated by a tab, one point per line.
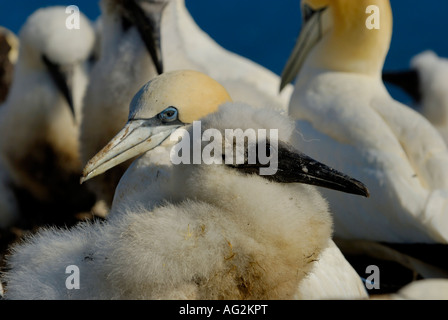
48	45
167	102
341	35
146	17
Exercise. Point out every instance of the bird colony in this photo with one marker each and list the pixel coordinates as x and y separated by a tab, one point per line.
138	153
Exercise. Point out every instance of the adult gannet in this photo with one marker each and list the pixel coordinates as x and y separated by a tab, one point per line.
348	119
426	83
9	49
145	180
224	232
126	65
38	122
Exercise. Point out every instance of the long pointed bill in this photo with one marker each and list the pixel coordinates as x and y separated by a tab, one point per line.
62	81
296	167
311	33
137	137
409	81
149	28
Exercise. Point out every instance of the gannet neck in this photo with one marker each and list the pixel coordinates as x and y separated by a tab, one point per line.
349	45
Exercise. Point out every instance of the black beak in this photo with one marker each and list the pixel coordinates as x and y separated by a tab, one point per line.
296	167
408	81
148	27
61	82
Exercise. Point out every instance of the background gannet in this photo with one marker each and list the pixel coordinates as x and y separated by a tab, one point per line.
144	182
38	121
126	65
225	233
348	119
426	82
9	50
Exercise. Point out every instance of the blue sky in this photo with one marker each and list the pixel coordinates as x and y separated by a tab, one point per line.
265	30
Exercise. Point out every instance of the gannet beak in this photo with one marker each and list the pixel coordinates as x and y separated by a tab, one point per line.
148	27
137	137
408	80
296	167
311	33
62	80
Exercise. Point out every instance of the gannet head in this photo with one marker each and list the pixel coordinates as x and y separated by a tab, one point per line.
145	16
341	35
47	44
167	102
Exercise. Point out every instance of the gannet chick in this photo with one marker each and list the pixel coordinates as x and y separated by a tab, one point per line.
129	47
143	182
226	232
426	83
39	120
9	50
348	119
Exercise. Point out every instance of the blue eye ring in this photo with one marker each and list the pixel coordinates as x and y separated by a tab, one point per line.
168	115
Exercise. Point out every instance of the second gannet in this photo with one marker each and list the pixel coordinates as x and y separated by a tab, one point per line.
39	120
225	232
348	119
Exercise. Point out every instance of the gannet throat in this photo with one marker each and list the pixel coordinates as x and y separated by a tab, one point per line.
62	81
148	26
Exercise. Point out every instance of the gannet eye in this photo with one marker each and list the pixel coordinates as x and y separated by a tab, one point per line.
168	115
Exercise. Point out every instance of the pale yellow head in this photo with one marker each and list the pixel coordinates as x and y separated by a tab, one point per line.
192	93
342	35
169	101
356	42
